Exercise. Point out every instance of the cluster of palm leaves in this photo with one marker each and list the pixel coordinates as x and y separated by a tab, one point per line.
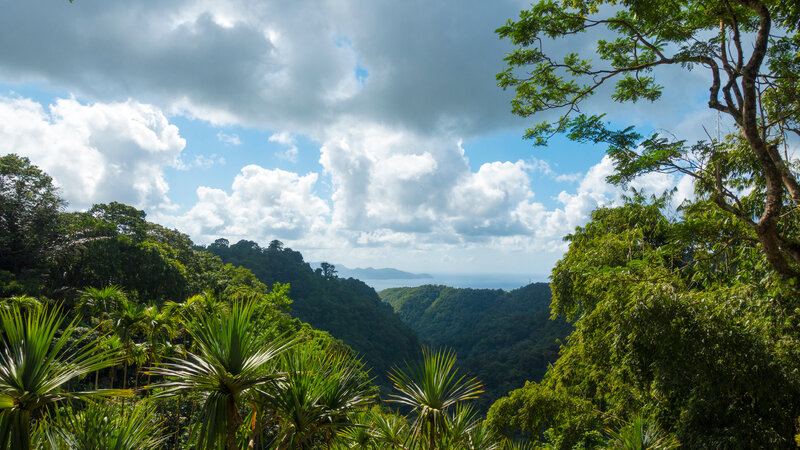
38	360
235	381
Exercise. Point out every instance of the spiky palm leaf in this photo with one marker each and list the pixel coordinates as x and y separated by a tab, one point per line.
35	364
23	302
459	426
430	387
390	430
481	437
231	363
99	303
102	426
641	434
318	394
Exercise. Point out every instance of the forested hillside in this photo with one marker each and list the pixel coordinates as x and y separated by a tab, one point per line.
503	338
677	298
346	308
116	333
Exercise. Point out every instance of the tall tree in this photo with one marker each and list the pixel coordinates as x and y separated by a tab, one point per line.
229	368
747	48
29	207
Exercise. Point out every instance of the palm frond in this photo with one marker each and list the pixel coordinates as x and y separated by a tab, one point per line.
37	358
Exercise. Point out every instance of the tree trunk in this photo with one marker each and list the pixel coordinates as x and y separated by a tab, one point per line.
776	179
234	421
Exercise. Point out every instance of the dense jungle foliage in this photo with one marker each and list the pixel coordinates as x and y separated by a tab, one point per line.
119	333
116	333
346	308
686	316
502	338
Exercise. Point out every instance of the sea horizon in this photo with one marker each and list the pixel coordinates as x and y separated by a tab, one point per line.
506	282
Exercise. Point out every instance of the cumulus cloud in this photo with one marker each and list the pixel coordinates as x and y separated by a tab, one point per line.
392	188
263	205
96	152
386	105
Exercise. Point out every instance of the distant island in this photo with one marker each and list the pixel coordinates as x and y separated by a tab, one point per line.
371	273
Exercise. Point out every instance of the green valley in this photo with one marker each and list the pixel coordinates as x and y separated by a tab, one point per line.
502	338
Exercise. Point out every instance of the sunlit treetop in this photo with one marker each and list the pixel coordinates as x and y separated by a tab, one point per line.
749	48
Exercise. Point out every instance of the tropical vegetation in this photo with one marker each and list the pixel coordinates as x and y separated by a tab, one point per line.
685	310
684	314
502	338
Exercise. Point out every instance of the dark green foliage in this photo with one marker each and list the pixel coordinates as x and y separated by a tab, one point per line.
503	338
680	319
29	207
346	308
103	245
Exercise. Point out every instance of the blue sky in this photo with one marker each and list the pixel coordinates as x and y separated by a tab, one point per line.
362	133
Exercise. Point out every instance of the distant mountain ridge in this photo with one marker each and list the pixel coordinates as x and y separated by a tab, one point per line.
503	338
370	273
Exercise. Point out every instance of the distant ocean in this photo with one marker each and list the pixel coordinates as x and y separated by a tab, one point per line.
506	282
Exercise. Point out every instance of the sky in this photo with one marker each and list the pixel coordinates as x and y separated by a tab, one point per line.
365	133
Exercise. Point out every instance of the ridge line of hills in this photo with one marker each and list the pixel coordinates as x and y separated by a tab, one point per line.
504	338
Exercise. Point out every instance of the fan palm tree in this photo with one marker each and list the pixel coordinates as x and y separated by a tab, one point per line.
99	303
36	362
160	327
23	302
319	393
641	434
230	365
102	426
202	304
430	388
128	320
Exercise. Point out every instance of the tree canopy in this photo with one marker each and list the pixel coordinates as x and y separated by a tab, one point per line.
29	207
749	50
685	320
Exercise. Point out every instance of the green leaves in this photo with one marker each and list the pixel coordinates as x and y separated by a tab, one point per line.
235	350
430	387
29	215
102	426
319	393
37	359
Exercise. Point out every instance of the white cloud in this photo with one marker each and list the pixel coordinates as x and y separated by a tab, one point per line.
229	139
206	162
389	142
568	177
392	187
263	205
290	142
96	152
